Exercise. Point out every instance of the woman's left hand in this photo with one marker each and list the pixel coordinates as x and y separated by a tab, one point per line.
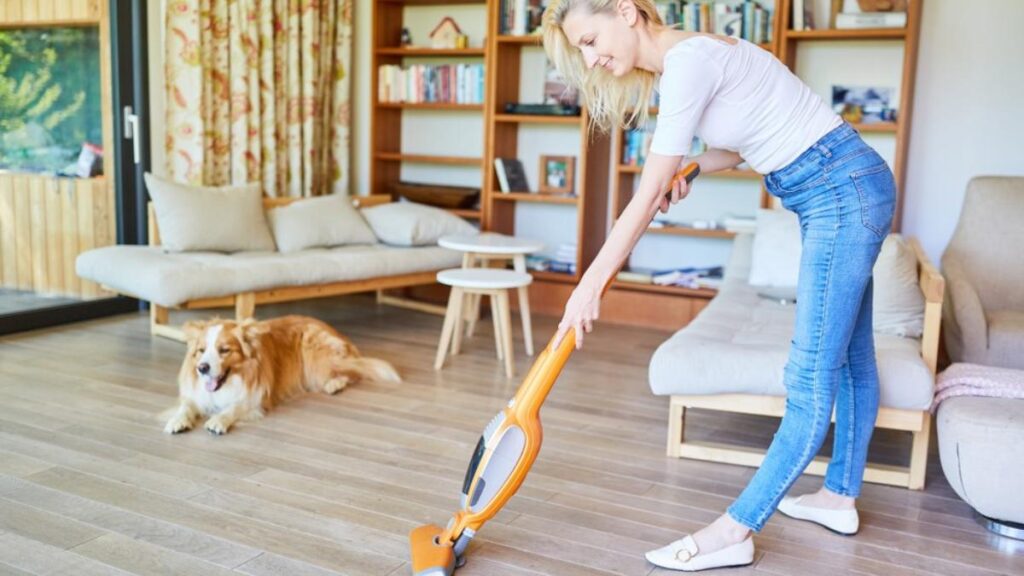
581	311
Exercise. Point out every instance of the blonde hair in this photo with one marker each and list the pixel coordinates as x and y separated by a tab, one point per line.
611	101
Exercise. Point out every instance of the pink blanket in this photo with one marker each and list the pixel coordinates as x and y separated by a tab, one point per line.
977	380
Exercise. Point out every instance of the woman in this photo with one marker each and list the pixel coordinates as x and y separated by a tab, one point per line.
748	107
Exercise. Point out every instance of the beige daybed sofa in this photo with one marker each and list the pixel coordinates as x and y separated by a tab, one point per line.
731	359
189	280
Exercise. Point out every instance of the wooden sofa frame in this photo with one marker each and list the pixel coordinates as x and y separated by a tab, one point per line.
245	303
917	422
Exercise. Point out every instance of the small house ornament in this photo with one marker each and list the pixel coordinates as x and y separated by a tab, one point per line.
446	34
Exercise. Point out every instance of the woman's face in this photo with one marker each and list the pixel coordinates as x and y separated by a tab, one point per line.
606	40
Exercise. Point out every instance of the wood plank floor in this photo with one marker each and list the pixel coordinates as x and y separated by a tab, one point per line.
89	484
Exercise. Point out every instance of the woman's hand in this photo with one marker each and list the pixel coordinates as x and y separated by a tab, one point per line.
581	311
680	189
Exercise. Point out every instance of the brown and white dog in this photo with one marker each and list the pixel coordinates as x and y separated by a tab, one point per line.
239	371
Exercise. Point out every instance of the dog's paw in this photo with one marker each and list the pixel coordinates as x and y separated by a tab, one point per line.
179	423
217	425
335	385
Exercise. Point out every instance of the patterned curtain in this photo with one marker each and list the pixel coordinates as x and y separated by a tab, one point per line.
258	90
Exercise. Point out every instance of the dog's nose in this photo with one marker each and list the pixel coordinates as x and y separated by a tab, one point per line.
203	368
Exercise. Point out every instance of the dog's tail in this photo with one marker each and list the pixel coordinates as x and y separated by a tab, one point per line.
372	369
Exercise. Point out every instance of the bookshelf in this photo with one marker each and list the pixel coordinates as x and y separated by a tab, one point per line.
402	134
512	58
743	193
792	43
603	183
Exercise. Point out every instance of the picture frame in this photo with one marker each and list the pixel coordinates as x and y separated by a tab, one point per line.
557	174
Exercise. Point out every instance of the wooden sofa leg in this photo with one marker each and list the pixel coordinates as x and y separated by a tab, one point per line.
919	454
676	416
245	306
159	318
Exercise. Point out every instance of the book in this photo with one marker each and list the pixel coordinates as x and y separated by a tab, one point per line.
511	175
871	20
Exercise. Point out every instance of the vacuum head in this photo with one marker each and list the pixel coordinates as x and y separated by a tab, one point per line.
430	557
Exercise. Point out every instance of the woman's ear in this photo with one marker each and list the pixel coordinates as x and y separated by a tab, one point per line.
627	11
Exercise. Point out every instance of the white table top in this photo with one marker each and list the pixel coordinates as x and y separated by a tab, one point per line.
490	243
493	278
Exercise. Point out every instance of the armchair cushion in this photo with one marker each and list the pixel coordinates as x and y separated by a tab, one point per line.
1006	338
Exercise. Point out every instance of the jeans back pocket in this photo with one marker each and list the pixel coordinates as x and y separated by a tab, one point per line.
876	192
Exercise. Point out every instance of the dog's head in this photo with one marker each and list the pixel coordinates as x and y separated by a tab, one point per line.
217	348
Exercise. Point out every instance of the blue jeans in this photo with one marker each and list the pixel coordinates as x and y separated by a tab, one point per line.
844	195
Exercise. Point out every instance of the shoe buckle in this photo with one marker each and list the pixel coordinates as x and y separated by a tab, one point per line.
684	555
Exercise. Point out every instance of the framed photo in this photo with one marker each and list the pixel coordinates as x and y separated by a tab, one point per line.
556	174
865	105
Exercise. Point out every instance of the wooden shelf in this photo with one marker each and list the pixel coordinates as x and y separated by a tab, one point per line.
877	127
430	106
431	52
472	213
673	290
527	39
692	232
848	34
429	159
537	119
553	276
535	197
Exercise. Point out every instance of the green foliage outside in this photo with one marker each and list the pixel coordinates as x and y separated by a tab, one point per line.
49	97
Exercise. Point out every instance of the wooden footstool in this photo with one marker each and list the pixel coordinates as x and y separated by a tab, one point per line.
468	283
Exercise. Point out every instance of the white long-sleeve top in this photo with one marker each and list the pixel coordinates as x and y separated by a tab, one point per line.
736	97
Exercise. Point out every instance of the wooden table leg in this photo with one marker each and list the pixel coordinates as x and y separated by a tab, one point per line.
519	263
449	324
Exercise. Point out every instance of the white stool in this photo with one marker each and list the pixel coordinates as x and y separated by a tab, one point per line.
492	246
468	283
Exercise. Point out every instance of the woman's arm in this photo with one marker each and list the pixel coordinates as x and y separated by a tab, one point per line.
655	180
716	160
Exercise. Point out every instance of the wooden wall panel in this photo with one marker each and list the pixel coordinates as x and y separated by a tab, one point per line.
8	247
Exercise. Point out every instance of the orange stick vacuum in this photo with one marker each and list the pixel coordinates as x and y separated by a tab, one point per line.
504	454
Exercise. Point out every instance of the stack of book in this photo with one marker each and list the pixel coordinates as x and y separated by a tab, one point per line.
519	17
564	259
748	20
740	224
635	146
449	83
691	277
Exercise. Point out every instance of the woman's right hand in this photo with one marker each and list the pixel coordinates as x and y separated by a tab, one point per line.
680	189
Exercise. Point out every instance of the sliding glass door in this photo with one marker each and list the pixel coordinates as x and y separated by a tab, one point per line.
72	92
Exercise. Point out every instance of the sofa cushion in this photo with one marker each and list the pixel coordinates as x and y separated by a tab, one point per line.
204	218
169	279
412	224
740	344
321	222
775	261
898	304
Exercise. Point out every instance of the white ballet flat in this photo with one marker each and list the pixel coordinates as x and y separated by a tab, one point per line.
845	522
683	555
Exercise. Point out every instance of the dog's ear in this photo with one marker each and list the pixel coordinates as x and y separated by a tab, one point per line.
248	333
194	329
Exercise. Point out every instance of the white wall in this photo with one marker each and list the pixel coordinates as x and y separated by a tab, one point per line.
968	116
